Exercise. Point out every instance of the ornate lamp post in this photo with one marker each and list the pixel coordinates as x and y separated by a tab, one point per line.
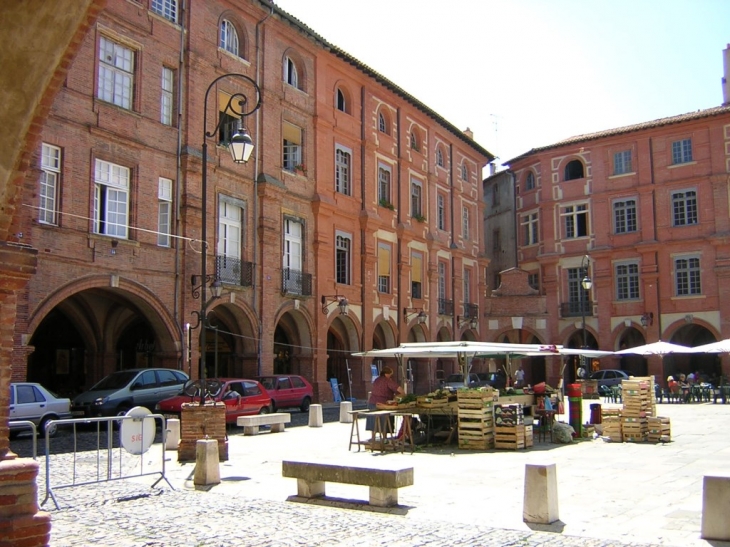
586	283
240	146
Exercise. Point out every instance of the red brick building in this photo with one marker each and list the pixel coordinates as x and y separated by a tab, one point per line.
643	211
355	191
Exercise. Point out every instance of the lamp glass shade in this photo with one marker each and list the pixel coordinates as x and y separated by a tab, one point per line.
241	146
422	317
587	283
216	288
343	306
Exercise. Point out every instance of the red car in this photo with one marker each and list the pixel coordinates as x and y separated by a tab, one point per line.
288	390
242	397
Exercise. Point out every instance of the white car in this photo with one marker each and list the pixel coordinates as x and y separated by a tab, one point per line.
34	403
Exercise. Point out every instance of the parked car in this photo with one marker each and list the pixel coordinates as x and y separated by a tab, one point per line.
495	379
32	402
241	396
456	381
609	377
122	390
287	390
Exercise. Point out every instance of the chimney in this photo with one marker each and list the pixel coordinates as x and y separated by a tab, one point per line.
469	133
726	78
492	169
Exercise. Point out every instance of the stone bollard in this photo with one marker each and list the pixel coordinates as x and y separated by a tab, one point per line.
207	470
173	434
715	501
345	409
315	416
541	494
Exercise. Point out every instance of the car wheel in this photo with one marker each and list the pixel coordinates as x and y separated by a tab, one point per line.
305	404
121	411
46	428
264	410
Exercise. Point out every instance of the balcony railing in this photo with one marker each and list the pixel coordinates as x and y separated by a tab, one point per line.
471	311
576	309
296	282
234	271
446	307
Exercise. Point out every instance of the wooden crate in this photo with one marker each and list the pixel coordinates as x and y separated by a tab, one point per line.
509	445
429	402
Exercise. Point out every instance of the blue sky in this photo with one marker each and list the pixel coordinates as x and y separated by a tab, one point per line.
527	73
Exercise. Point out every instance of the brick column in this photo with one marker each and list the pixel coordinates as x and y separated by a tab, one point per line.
202	422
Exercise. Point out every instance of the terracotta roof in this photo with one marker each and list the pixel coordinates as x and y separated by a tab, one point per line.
377	77
698	114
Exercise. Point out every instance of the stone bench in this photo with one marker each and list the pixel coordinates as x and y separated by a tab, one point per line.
383	483
251	424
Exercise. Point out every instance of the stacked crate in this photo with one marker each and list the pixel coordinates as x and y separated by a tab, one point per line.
659	430
528	436
475	415
509	429
611	424
638	404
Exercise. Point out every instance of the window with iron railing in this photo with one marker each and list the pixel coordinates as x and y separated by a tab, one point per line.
296	282
233	270
446	307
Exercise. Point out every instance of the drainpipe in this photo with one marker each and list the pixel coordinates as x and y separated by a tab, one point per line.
255	200
177	294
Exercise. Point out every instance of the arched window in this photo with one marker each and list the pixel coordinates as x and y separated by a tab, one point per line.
341	101
382	123
530	181
229	37
574	170
464	172
291	75
439	157
414	141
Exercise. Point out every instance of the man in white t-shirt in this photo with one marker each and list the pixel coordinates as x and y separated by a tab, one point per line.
519	377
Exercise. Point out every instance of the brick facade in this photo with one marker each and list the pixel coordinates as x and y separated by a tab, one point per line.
653	235
118	301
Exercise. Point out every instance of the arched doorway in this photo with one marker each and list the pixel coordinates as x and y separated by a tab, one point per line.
573	362
96	331
341	342
707	364
633	365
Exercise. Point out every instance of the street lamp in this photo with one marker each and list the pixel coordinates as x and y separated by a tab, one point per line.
240	146
586	283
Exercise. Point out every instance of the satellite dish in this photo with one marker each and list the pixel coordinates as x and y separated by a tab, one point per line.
136	435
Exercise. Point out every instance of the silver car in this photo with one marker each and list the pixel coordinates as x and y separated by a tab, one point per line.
32	402
122	390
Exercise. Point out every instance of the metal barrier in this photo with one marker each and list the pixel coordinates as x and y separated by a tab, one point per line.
105	462
23	424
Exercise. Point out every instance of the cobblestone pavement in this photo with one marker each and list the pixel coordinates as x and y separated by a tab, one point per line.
610	494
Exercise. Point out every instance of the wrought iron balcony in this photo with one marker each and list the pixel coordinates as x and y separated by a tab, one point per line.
296	282
446	307
233	270
576	309
471	310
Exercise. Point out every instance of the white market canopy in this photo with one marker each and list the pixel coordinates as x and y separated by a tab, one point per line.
466	351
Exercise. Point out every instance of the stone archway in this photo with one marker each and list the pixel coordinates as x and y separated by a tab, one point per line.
96	331
633	365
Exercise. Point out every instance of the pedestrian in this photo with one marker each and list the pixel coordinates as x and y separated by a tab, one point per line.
519	377
384	389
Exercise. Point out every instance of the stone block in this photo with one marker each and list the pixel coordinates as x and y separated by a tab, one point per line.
541	494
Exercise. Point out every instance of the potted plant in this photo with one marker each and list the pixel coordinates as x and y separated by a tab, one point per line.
300	168
420	218
385	203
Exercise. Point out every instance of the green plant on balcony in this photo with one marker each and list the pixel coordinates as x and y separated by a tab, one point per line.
419	218
385	203
300	168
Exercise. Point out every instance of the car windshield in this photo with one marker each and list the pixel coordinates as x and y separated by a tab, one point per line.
116	380
454	378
